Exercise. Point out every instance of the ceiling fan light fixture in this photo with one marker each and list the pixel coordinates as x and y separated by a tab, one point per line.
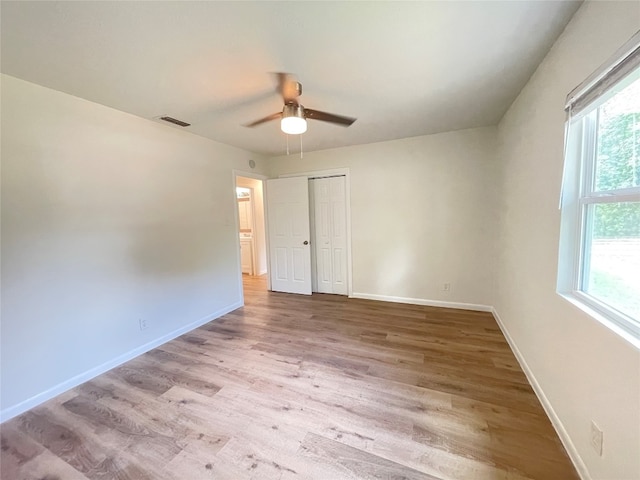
293	121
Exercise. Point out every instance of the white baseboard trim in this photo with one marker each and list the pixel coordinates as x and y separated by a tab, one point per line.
423	301
575	457
42	397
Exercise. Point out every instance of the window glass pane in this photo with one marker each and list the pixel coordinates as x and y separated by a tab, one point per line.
618	140
612	256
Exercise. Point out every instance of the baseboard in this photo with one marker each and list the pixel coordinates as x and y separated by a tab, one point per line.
42	397
575	457
423	301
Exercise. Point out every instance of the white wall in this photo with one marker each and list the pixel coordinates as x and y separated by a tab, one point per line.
106	218
585	371
423	213
259	235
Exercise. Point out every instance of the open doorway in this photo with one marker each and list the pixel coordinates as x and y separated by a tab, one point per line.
251	229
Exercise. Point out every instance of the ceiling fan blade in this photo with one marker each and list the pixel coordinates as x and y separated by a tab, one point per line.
288	87
268	118
329	117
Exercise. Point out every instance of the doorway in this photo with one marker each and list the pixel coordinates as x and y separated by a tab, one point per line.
251	228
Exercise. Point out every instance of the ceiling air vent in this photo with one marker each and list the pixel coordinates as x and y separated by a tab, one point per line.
175	121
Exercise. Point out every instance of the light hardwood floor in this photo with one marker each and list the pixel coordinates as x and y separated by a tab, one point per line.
289	387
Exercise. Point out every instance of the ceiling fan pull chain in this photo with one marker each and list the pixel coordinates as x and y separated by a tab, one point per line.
287	143
301	155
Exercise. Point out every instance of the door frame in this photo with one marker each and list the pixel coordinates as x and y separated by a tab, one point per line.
331	173
256	176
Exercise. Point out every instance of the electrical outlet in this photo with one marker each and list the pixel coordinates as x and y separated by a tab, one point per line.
446	287
143	323
596	438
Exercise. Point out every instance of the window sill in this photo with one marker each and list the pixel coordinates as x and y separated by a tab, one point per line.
577	301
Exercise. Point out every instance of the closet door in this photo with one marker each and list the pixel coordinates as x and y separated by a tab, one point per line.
330	224
289	249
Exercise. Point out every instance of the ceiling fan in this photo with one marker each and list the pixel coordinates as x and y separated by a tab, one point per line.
293	118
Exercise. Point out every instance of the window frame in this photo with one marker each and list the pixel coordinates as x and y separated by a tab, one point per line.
578	200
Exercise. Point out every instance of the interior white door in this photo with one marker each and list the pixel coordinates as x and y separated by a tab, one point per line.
288	222
246	256
244	213
330	234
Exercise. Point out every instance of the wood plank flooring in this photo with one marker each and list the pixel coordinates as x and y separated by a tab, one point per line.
295	387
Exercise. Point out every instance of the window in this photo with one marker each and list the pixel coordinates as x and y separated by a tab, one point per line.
599	260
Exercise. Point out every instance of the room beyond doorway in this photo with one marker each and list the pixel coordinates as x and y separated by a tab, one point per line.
251	224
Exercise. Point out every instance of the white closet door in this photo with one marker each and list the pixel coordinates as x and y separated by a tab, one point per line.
288	220
329	211
322	227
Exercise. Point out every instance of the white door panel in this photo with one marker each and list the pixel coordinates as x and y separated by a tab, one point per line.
300	264
281	264
329	207
288	220
339	261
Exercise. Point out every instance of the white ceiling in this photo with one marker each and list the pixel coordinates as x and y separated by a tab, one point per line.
402	68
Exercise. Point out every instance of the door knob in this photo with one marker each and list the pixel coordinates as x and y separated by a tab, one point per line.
305	242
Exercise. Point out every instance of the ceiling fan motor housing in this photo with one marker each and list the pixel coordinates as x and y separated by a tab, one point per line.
293	110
